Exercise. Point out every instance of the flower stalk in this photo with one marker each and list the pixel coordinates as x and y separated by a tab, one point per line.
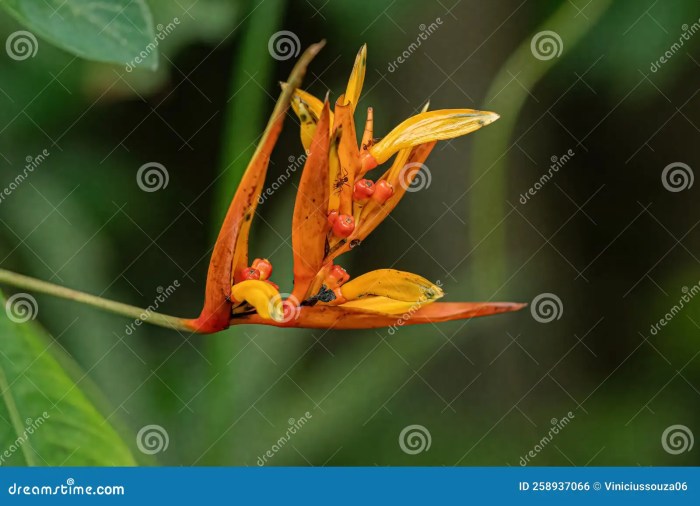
137	313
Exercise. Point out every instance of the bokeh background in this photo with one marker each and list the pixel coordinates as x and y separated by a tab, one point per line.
605	236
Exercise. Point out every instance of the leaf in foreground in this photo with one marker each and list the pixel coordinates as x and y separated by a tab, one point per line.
45	418
116	31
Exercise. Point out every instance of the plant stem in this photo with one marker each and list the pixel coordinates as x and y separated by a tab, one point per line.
487	206
137	313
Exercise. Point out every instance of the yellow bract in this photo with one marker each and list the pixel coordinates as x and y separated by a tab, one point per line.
357	78
391	283
430	126
308	109
262	296
384	305
389	291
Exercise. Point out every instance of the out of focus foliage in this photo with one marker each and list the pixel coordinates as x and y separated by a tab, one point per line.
604	234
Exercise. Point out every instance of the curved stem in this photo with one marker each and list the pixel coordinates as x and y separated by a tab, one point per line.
487	206
137	313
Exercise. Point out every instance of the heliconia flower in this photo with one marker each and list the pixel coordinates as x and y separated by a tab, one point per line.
336	208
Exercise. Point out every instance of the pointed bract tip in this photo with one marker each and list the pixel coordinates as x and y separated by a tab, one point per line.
315	48
490	117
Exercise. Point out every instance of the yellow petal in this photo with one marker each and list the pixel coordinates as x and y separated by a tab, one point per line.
384	305
430	126
394	284
262	296
357	78
308	109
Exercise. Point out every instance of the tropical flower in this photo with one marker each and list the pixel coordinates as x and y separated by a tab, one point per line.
337	207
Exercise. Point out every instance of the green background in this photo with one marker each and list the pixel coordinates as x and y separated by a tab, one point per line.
603	234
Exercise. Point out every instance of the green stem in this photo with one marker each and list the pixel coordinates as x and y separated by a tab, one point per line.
246	110
137	313
487	205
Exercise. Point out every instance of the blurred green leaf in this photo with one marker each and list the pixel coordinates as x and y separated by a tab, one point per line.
45	419
115	32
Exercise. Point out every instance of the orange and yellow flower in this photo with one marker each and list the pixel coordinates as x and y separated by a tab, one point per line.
337	207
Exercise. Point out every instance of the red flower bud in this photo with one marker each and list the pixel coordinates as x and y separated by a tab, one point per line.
344	225
337	276
332	216
364	188
264	266
383	191
248	273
